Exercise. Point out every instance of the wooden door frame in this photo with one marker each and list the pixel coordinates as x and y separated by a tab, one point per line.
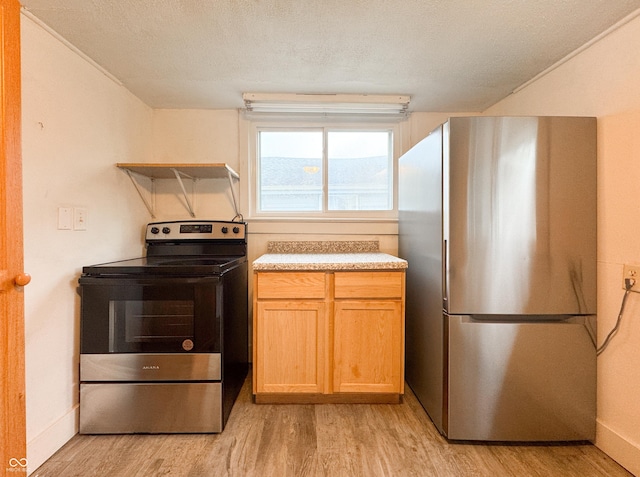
12	345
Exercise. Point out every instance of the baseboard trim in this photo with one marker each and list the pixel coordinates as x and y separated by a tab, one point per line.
45	444
618	448
337	398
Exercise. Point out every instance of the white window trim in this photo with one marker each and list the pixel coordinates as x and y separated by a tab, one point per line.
249	131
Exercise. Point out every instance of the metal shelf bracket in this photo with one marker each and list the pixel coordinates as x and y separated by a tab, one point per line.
147	204
184	190
231	175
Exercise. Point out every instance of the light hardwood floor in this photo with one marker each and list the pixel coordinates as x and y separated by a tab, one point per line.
365	440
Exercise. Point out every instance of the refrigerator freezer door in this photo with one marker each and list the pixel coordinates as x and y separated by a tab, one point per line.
520	215
521	381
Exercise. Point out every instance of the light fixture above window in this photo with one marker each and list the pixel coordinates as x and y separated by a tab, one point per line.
328	104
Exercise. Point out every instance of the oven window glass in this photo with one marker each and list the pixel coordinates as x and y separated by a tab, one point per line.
154	321
138	324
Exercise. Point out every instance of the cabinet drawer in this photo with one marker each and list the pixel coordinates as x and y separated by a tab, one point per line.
369	285
291	285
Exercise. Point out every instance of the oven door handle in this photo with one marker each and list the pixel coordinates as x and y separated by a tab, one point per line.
146	281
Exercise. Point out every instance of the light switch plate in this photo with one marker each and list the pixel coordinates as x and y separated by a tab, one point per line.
65	218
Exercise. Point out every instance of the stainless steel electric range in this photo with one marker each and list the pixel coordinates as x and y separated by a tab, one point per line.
163	338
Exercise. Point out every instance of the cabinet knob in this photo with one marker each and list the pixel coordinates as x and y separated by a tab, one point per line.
22	279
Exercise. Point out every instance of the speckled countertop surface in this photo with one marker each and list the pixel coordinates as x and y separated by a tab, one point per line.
326	256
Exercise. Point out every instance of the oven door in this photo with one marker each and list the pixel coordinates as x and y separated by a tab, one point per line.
150	315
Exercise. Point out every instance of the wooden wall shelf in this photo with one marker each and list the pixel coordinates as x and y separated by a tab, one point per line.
155	171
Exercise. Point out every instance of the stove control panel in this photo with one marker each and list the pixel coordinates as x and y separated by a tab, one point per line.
196	230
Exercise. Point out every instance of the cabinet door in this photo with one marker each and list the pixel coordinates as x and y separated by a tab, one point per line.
368	347
290	342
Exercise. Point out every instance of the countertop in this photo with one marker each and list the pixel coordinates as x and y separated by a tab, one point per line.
344	256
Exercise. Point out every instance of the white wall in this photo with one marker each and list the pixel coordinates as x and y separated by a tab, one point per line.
77	123
196	136
603	81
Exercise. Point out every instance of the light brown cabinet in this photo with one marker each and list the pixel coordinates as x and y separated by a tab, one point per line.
328	336
291	348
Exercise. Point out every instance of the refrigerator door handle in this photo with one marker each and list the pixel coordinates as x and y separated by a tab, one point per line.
445	288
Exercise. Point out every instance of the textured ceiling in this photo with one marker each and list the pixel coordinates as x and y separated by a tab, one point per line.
448	55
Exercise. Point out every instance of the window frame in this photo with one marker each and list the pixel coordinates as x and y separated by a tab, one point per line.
255	127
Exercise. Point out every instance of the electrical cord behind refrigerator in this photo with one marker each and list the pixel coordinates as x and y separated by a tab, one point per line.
628	284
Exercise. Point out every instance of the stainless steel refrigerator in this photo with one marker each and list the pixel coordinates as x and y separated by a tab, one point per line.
497	220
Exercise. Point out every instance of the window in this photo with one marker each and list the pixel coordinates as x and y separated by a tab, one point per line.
324	171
